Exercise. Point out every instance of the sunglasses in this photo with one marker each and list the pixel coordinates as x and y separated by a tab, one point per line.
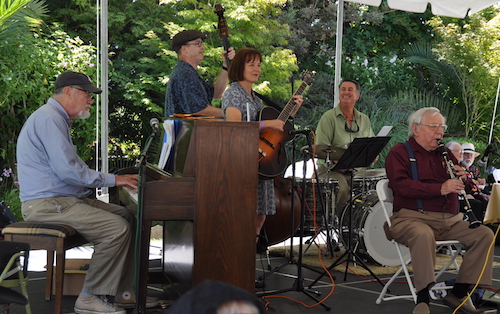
351	129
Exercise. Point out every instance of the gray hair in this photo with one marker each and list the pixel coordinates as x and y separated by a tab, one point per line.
451	143
417	116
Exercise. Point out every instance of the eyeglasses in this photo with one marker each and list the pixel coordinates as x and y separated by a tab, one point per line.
435	126
89	94
351	129
457	151
199	44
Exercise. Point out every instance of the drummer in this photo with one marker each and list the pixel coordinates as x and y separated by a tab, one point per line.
338	127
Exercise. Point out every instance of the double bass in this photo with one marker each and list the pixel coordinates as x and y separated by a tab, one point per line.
278	227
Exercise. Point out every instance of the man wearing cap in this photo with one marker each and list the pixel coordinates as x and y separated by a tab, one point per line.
473	172
187	92
55	186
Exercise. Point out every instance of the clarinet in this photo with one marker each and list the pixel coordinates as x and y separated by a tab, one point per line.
474	222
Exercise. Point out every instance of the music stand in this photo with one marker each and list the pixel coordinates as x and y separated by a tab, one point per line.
361	153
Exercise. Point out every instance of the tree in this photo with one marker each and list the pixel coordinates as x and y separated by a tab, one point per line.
141	58
471	47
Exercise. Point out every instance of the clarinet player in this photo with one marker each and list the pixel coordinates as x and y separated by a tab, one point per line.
426	210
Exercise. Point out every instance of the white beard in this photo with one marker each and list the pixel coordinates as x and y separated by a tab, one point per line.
84	114
467	163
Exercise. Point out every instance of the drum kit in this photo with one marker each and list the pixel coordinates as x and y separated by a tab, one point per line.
368	237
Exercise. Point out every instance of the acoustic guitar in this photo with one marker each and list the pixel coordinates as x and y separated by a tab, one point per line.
272	155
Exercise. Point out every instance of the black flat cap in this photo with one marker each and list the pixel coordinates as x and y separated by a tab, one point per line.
184	37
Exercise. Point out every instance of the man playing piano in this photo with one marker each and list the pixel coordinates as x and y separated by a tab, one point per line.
55	186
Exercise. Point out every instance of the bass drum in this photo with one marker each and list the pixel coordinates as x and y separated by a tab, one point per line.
368	235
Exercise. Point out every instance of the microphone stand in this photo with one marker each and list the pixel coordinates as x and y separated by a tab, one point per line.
141	165
299	281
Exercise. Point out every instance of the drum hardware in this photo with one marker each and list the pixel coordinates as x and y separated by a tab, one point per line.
325	152
366	179
299	281
360	153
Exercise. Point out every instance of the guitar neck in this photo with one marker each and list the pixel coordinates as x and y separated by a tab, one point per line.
287	111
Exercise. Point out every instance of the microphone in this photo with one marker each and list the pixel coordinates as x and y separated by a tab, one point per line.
154	124
292	132
484	160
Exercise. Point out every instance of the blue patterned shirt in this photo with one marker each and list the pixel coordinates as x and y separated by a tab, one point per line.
187	92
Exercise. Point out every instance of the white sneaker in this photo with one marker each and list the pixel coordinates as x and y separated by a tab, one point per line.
126	299
93	304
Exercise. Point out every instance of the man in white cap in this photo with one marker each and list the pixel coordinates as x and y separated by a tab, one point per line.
187	92
55	186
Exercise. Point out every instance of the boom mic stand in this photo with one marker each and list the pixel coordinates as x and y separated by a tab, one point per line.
299	281
361	153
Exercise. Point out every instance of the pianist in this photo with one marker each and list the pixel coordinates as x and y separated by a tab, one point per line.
55	187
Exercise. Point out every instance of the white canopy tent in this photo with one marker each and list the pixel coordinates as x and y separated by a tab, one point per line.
451	8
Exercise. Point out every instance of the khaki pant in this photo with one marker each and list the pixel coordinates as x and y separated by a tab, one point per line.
108	226
419	231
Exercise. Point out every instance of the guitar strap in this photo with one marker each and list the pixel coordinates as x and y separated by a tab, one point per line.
268	101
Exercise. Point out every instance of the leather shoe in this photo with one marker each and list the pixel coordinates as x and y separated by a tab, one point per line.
468	308
421	308
259	284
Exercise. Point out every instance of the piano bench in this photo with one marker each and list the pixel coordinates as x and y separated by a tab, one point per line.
52	237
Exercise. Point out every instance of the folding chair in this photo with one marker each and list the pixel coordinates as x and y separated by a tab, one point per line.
386	199
14	273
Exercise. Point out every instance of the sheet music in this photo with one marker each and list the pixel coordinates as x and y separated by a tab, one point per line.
168	141
384	130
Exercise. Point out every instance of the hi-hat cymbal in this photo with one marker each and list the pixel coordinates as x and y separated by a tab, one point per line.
324	151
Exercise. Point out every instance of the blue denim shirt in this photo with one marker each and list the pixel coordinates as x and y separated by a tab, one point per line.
187	92
47	162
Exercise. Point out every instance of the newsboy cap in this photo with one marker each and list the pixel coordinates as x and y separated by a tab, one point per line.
75	78
186	36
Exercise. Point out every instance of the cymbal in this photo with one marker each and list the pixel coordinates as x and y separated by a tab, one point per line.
322	151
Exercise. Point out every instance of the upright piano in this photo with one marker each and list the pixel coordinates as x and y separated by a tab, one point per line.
207	202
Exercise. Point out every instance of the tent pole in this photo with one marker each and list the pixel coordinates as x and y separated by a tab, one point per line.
104	94
338	51
494	113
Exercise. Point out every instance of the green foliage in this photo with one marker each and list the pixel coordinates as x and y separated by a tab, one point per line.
17	16
141	58
29	64
381	48
471	47
11	198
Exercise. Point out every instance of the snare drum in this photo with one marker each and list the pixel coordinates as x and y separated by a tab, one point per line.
366	179
368	235
328	191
